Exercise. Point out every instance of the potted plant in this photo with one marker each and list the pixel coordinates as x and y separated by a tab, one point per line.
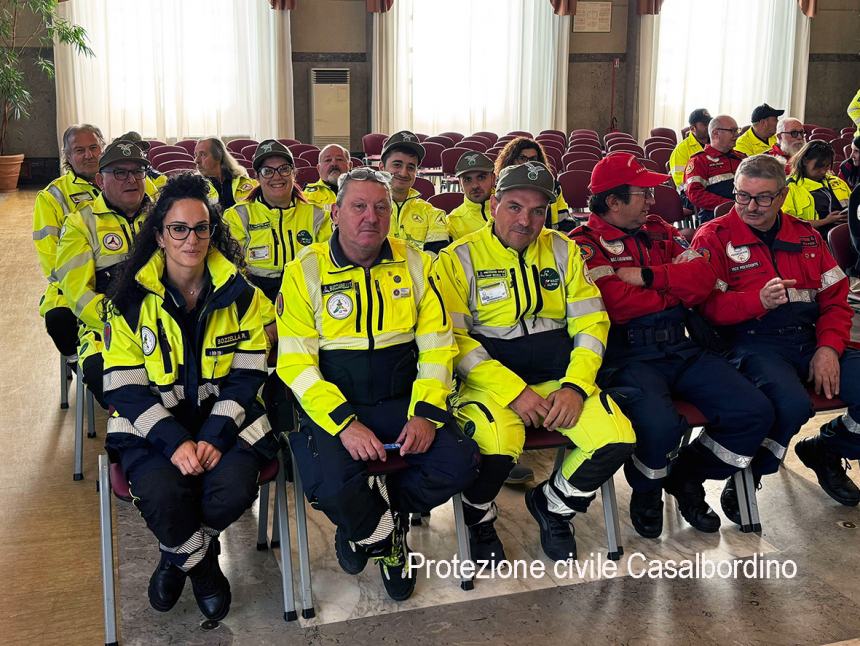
15	97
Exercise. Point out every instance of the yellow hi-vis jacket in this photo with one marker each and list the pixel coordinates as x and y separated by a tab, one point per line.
95	241
320	195
854	112
167	388
751	145
468	217
53	204
419	223
680	157
525	318
559	211
271	237
800	201
353	336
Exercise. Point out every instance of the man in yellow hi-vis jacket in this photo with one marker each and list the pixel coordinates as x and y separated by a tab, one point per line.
366	346
531	330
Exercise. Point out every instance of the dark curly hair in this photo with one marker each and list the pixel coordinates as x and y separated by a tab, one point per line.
124	289
514	148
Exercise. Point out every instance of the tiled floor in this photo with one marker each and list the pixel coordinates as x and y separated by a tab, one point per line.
49	563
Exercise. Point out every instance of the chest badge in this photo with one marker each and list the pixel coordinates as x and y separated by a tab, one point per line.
147	338
549	279
615	247
339	306
304	237
112	241
738	254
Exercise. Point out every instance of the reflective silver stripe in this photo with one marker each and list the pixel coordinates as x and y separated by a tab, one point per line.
535	326
716	179
382	340
104	261
85	299
264	273
583	340
305	380
465	258
461	321
73	263
128	377
831	277
561	251
171	398
585	307
721	285
850	424
489	508
678	169
256	431
651	474
724	454
600	272
801	295
695	178
774	447
555	503
249	361
244	216
57	194
416	272
472	359
206	390
434	371
45	232
433	340
122	425
299	345
319	218
150	417
229	408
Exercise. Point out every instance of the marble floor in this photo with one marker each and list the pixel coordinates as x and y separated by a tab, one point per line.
49	556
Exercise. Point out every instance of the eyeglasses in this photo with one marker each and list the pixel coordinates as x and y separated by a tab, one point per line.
647	192
797	134
121	174
734	131
182	231
364	173
522	159
762	200
269	171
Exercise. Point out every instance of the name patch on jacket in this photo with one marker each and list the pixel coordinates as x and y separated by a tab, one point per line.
259	226
749	265
491	273
621	259
332	288
232	339
808	241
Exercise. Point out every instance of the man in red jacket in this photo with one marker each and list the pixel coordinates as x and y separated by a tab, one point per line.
648	277
709	174
783	303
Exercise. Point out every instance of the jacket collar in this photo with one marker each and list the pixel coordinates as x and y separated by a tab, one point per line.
101	206
610	232
791	230
223	275
386	253
713	152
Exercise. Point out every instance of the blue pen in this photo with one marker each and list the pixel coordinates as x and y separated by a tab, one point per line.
393	446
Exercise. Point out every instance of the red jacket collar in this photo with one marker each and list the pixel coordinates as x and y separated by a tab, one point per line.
790	230
609	232
713	152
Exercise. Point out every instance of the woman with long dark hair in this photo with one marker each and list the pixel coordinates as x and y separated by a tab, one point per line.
184	358
814	193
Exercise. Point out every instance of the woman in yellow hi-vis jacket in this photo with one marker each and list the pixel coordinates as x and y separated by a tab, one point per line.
184	357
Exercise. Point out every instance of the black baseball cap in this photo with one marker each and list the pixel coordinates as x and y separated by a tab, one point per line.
405	139
764	111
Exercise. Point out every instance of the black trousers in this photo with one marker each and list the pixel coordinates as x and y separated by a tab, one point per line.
62	327
94	368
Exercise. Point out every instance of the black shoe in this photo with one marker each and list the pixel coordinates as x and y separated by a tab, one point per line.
729	502
484	543
397	577
211	587
829	470
556	534
165	585
646	512
692	505
351	557
520	475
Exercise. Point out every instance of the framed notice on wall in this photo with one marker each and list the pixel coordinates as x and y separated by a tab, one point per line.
593	17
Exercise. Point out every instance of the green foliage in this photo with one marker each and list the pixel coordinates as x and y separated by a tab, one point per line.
15	96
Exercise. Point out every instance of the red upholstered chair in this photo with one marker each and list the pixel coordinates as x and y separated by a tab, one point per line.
236	145
307	175
425	187
830	133
492	136
609	137
175	165
248	151
298	149
478	146
665	140
489	142
625	147
432	154
312	155
576	155
583	131
188	145
446	142
421	137
162	157
521	133
453	136
669	133
848	130
650	165
722	209
839	241
660	156
301	163
558	133
355	162
449	159
447	201
574	187
167	148
372	145
667	204
582	164
153	143
288	142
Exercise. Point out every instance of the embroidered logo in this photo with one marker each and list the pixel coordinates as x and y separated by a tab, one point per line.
112	241
147	338
738	254
615	247
339	306
125	149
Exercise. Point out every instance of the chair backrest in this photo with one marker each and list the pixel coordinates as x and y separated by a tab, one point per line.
651	165
450	157
722	209
492	153
301	163
559	140
421	137
574	187
660	156
488	141
236	145
447	142
478	146
659	139
307	175
848	130
585	141
175	165
248	151
582	164
425	187
585	148
313	156
188	145
685	131
248	166
667	204
665	132
167	148
170	155
298	149
432	154
839	240
826	131
612	136
553	132
583	131
355	162
289	142
372	143
521	133
447	201
626	147
492	136
809	127
453	136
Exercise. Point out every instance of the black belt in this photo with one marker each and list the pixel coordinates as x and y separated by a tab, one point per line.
782	331
648	336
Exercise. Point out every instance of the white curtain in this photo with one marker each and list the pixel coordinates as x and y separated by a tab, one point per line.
171	69
495	65
724	55
649	37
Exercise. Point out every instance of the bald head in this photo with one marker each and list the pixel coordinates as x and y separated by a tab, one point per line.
723	131
790	135
333	162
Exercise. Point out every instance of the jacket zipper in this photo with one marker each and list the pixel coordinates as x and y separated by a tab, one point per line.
538	294
356	286
275	241
164	345
370	341
517	300
292	246
381	306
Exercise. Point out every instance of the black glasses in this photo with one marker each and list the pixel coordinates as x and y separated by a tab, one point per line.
181	231
121	174
522	159
362	174
734	131
762	200
797	134
647	192
269	171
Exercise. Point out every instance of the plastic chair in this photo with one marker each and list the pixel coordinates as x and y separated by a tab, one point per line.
447	201
477	146
372	144
839	241
425	187
313	156
177	165
667	204
582	164
65	378
574	187
236	145
113	481
188	145
665	132
307	175
446	142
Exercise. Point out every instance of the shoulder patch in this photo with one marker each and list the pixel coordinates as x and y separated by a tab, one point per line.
689	168
586	250
706	253
279	304
682	242
147	338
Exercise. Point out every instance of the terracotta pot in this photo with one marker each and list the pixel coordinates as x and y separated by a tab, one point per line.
10	169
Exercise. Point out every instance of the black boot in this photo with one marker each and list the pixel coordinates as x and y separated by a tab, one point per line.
690	495
646	512
351	556
484	543
729	502
211	587
520	474
556	533
165	585
829	470
397	577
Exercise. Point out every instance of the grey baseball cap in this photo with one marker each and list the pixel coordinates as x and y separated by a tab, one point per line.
533	175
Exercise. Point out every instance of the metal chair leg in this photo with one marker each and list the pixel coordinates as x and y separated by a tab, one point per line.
747	503
559	458
275	543
610	518
463	549
263	522
80	390
283	525
91	414
308	611
106	525
64	382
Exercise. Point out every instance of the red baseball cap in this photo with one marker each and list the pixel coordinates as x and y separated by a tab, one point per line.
619	169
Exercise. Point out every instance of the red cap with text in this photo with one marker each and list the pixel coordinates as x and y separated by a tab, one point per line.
619	169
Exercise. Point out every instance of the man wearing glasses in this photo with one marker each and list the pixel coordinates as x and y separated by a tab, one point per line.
366	346
709	174
790	137
783	300
649	276
95	241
